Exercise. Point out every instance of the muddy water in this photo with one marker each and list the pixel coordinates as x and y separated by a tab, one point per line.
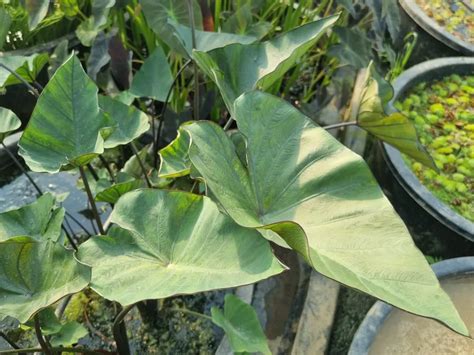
404	333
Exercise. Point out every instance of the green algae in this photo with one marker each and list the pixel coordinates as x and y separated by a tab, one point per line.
443	115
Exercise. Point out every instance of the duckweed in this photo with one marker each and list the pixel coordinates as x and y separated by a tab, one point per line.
456	16
443	114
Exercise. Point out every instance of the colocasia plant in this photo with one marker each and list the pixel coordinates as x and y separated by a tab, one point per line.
276	178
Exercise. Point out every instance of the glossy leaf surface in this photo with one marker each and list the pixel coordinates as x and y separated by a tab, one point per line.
34	275
8	122
179	243
321	198
174	158
65	127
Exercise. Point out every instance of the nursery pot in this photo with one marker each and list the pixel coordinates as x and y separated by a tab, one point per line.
433	29
427	71
387	330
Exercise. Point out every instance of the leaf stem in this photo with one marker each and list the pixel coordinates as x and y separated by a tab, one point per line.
196	314
33	90
156	141
91	200
340	124
120	333
8	340
105	163
140	162
39	335
196	74
56	349
228	123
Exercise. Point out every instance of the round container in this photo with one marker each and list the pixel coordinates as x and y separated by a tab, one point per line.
366	335
431	26
427	71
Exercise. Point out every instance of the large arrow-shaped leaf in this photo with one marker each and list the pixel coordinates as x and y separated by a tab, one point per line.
238	68
8	122
39	220
321	198
178	243
66	123
395	129
34	275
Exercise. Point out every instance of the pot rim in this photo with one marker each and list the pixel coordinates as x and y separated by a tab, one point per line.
379	312
429	70
435	30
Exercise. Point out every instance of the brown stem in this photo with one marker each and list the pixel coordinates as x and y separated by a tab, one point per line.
95	212
41	339
120	333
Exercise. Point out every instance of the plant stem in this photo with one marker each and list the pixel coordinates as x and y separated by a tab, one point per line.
9	341
196	74
92	201
340	124
107	167
228	123
33	90
140	162
196	314
39	335
156	140
37	188
56	349
120	333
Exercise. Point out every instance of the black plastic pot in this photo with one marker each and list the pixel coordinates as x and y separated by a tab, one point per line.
430	70
375	318
432	28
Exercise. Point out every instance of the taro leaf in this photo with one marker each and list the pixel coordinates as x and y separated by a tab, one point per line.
90	28
241	22
39	220
58	57
174	158
354	48
69	7
154	78
5	22
65	127
37	11
125	183
239	68
321	198
391	16
69	334
8	122
99	56
30	69
240	323
179	243
128	122
48	320
395	129
34	275
132	166
12	62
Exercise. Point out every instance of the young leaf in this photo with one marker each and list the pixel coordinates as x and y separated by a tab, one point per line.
125	183
395	129
174	158
179	243
37	11
240	323
239	68
65	127
69	334
154	78
39	220
8	122
129	123
321	198
90	28
34	275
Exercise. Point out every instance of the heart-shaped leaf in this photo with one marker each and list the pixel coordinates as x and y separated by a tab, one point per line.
128	122
125	183
39	220
238	68
65	127
154	78
8	122
179	243
395	129
321	198
240	323
174	158
34	275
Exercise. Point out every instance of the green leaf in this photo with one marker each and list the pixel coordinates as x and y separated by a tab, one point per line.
5	22
40	220
395	129
34	275
179	243
154	78
99	55
241	22
49	323
30	69
12	62
124	184
58	57
90	28
239	68
69	334
37	11
129	123
391	16
174	158
132	166
8	122
321	198
354	49
65	127
240	323
69	7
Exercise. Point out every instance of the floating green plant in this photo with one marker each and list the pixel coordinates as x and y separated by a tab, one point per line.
443	114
